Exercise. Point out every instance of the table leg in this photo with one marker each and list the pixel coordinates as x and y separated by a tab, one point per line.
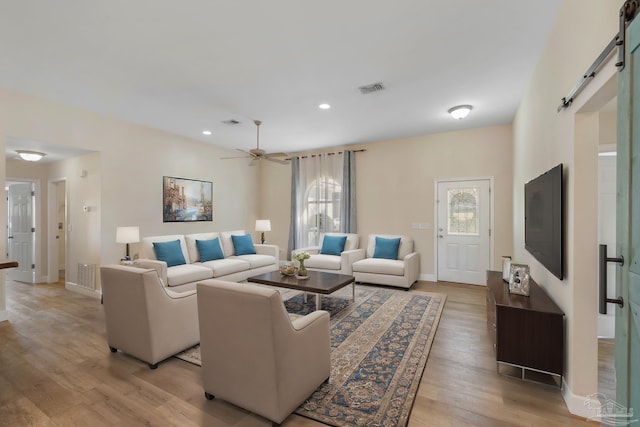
353	291
318	301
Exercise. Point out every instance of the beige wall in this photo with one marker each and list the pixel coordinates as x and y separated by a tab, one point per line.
395	186
124	181
542	139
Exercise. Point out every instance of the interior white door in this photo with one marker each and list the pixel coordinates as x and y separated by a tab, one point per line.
21	234
463	233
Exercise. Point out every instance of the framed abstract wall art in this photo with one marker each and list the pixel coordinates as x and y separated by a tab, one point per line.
185	200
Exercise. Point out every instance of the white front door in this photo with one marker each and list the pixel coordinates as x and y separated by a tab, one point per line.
21	234
463	232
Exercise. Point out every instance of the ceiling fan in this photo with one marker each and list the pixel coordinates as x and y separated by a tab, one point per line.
256	154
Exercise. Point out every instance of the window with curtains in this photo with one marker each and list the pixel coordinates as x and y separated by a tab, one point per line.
322	197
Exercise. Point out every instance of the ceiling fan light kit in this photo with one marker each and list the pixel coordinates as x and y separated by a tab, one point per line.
256	154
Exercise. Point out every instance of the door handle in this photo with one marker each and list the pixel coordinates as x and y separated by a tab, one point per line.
10	237
604	259
440	236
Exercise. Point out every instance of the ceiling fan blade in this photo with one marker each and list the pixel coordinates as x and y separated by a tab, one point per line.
276	155
280	161
235	157
254	161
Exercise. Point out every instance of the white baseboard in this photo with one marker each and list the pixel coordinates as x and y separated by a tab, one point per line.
428	277
4	315
81	290
583	406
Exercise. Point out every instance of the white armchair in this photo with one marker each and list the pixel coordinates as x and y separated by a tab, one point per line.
401	272
332	263
145	319
253	355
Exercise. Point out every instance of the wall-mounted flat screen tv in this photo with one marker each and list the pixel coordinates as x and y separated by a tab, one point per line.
544	220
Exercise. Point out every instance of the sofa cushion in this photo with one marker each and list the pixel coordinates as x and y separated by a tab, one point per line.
243	245
187	273
379	266
209	250
256	260
192	249
325	262
222	267
333	245
169	252
227	243
386	248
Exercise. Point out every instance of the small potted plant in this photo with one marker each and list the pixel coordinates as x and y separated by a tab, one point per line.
300	257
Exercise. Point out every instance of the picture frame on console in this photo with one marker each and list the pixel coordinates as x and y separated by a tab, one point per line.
186	200
519	279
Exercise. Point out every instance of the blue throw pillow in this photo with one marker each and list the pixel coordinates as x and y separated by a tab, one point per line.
209	249
386	248
333	245
243	245
169	252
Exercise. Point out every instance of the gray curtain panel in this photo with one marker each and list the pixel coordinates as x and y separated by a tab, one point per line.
348	197
293	224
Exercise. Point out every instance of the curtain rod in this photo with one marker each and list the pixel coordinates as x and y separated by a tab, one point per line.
328	154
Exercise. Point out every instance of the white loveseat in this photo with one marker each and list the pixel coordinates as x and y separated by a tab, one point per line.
233	268
401	272
339	264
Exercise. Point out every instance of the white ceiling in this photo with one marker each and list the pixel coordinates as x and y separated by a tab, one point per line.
184	66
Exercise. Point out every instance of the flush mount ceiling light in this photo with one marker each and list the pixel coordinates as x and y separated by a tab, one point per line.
460	112
206	132
30	156
324	106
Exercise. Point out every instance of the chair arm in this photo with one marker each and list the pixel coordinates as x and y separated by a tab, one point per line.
177	295
304	321
412	266
159	266
347	258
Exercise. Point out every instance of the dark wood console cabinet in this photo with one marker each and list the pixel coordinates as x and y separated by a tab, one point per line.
527	332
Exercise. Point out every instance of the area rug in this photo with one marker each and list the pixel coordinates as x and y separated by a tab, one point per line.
379	349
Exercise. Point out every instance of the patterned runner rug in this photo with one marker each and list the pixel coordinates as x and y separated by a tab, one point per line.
379	348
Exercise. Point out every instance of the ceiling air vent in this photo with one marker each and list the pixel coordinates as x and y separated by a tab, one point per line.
231	122
374	87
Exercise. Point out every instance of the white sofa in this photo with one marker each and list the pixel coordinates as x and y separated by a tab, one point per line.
339	264
233	268
401	272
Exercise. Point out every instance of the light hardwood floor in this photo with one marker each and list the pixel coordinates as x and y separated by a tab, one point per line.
56	370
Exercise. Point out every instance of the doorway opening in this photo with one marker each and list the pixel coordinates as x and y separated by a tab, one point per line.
57	225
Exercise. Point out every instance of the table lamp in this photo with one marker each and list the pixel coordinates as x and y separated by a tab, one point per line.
263	225
127	235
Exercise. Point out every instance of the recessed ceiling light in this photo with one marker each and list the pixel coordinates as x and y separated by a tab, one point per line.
460	111
206	132
324	106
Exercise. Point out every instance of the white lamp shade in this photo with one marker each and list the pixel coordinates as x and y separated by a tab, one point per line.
128	234
263	225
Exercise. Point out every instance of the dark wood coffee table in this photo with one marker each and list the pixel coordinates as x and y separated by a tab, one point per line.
318	283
